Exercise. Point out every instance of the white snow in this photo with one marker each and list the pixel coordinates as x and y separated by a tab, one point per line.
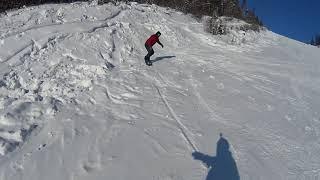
78	102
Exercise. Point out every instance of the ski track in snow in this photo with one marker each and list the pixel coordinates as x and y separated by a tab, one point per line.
78	102
183	129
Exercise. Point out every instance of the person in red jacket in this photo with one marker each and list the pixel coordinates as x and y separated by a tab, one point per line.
149	43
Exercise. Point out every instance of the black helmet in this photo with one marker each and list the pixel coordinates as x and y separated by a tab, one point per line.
158	33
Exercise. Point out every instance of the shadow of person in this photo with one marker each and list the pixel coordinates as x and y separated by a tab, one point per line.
161	58
222	166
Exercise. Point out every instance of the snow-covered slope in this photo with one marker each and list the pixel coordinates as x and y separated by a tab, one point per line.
77	101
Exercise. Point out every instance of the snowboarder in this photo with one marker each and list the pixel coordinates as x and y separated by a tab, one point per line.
149	43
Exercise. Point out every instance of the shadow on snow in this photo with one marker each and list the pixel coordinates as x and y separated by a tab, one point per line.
222	166
162	58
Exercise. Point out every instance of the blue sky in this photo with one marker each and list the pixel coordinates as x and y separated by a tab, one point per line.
297	19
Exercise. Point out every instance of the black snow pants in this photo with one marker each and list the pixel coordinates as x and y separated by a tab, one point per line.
150	52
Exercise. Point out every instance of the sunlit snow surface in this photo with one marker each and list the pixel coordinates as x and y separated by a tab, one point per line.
77	101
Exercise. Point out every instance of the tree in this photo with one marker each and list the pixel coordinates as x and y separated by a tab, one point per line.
244	7
317	40
232	8
312	42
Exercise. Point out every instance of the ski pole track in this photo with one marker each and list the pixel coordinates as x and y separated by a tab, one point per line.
184	130
186	133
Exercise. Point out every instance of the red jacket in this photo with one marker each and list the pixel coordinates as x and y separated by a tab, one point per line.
152	40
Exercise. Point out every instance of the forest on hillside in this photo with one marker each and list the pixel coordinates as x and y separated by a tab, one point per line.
13	4
199	8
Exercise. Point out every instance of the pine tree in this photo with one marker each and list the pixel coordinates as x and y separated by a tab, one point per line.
232	9
317	40
244	6
312	42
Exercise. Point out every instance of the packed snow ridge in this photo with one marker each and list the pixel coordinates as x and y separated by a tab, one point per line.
78	102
